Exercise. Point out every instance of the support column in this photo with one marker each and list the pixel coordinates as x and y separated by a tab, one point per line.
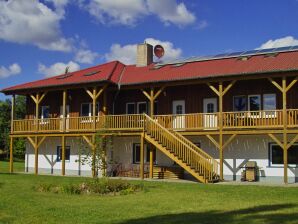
285	124
36	156
94	172
284	88
37	100
64	110
12	114
11	155
142	157
63	154
220	92
152	97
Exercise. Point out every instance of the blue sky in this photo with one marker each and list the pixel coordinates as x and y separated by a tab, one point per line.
40	38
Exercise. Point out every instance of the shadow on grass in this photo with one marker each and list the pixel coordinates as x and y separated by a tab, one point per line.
269	214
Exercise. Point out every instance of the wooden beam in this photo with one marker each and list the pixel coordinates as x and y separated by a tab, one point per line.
276	140
213	141
101	91
94	169
291	84
285	135
213	89
42	97
36	157
41	141
63	155
146	94
12	113
151	161
292	142
33	98
142	157
31	141
275	84
89	93
11	155
88	141
228	87
158	92
229	141
64	99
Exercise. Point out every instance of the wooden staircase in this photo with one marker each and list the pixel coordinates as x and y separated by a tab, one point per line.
186	154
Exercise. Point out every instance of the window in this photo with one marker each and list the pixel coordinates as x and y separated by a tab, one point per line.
269	104
137	154
130	108
179	109
210	108
45	112
59	153
87	108
254	102
239	103
142	107
276	154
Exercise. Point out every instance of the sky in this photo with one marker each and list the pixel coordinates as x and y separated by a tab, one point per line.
40	38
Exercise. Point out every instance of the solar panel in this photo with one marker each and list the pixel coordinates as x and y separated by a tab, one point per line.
229	55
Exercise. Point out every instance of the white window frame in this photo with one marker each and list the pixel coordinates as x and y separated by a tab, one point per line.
126	109
142	102
256	115
270	158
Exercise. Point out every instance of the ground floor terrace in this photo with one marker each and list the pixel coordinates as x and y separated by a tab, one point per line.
231	139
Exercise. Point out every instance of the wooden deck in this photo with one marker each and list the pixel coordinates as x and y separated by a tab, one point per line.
203	122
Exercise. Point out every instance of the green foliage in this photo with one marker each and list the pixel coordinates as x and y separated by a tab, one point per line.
5	121
98	160
102	186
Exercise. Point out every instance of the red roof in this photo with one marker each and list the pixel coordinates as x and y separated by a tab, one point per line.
118	73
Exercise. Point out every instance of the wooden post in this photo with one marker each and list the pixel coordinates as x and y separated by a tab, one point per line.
220	92
220	118
12	114
63	154
11	155
94	108
64	110
37	111
104	105
142	157
36	156
285	137
152	97
93	157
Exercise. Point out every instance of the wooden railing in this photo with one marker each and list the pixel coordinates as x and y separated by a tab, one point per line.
185	152
184	122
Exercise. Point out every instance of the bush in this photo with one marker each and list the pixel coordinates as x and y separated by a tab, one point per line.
102	186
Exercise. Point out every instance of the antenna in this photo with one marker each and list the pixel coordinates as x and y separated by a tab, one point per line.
66	70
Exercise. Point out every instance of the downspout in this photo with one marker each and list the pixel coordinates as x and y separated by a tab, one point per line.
118	89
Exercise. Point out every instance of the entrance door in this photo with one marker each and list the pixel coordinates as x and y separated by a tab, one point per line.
67	117
178	114
209	109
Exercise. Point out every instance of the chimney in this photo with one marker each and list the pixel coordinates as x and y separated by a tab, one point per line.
144	54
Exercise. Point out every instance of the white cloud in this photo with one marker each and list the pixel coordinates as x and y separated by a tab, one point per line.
57	68
85	56
202	25
129	12
13	69
281	42
127	53
32	22
170	12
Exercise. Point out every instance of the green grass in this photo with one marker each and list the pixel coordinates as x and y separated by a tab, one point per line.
18	166
158	203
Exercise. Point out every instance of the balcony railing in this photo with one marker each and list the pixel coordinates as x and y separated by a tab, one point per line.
269	119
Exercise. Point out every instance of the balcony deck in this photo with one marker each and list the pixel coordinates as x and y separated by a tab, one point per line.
200	122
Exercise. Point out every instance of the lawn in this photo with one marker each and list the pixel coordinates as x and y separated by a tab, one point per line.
159	203
18	166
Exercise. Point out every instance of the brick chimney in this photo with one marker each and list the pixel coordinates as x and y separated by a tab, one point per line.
144	54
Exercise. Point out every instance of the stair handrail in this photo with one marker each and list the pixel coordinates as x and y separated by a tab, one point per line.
209	169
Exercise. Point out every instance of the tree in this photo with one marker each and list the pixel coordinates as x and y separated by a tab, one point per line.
5	122
97	159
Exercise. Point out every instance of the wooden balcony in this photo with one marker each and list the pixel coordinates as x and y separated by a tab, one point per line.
272	119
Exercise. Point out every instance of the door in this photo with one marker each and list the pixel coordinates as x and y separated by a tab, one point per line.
209	109
178	114
67	117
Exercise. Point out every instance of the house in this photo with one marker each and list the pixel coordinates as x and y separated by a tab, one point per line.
206	116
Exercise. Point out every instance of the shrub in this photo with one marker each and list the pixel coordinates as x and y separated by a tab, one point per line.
102	186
